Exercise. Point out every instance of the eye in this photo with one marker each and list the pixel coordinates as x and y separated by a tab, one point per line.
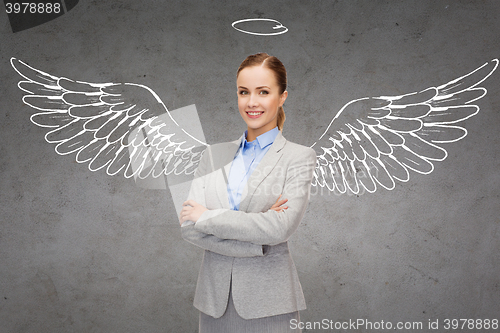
242	92
264	92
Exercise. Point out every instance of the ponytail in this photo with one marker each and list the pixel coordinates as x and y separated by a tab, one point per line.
281	118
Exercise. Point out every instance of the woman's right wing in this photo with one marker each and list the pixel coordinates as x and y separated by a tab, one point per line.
123	128
374	142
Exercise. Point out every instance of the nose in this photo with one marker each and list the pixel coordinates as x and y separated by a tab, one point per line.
252	101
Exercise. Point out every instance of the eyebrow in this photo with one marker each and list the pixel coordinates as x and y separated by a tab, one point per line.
256	88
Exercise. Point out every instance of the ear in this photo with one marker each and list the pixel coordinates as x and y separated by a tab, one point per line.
283	97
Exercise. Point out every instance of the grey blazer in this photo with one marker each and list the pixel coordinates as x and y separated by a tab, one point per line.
249	247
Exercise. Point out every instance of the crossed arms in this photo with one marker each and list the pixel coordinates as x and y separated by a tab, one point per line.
242	234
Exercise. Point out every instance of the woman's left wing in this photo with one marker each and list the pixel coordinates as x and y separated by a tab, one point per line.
123	128
374	142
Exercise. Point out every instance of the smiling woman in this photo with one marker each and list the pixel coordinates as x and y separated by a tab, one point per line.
261	96
248	281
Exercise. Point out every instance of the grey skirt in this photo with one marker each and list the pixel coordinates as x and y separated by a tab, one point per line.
231	322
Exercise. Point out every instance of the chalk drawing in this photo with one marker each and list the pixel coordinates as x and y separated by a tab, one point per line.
260	24
371	142
123	128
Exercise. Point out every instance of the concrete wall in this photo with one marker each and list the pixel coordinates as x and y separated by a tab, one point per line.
81	251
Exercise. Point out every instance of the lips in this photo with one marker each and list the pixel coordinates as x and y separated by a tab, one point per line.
254	114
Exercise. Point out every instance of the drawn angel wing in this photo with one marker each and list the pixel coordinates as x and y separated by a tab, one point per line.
374	142
123	128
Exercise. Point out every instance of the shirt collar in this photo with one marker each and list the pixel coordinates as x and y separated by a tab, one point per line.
264	139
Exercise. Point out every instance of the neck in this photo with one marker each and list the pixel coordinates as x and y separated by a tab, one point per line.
252	134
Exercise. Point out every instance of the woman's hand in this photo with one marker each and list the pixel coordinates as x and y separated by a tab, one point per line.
277	205
191	211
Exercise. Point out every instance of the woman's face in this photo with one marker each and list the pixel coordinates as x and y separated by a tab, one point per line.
258	99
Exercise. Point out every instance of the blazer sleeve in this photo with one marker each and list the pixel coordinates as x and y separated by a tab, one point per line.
227	247
270	227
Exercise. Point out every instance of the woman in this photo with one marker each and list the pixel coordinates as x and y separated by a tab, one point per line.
248	281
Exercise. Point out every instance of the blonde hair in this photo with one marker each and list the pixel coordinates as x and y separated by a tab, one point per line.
275	65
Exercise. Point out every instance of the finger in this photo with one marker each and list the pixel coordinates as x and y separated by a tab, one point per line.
189	202
184	214
279	203
278	198
283	201
185	217
186	210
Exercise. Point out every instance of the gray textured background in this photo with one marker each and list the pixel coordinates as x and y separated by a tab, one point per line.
81	251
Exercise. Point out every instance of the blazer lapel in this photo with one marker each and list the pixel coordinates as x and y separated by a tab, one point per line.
262	170
222	171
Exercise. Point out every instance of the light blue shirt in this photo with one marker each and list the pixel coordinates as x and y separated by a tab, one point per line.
245	161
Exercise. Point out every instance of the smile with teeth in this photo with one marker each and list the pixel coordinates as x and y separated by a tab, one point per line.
254	114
